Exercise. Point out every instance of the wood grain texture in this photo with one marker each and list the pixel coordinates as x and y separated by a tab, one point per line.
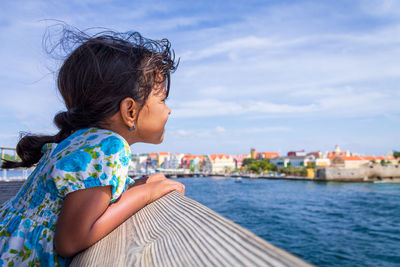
9	189
178	231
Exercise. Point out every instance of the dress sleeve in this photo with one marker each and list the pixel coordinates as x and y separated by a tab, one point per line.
102	164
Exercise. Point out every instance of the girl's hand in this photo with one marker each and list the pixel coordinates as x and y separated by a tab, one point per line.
149	179
163	187
156	177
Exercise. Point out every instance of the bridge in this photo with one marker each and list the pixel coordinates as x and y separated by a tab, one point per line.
179	173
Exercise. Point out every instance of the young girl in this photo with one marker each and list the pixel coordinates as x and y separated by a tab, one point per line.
114	87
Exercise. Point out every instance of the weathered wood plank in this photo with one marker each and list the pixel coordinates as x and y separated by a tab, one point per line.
8	189
178	231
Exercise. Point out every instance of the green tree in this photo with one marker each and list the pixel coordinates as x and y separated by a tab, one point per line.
311	166
248	161
396	154
253	167
289	170
259	166
301	172
227	169
9	157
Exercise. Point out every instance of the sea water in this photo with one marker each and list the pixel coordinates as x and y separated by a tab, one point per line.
324	223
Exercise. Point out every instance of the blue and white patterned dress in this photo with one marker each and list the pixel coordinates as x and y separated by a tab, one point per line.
88	158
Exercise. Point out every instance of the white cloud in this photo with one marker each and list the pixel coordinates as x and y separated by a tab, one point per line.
249	42
330	102
213	107
381	8
182	132
202	132
267	129
220	131
285	60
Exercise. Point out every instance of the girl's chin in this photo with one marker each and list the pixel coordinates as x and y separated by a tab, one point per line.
160	139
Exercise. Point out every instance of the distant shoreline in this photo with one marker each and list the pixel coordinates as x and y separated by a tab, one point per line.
254	176
9	187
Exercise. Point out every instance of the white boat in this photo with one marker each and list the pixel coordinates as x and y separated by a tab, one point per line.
238	180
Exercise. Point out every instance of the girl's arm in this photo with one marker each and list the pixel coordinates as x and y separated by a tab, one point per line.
86	216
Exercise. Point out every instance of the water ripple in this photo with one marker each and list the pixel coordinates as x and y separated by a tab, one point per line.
325	223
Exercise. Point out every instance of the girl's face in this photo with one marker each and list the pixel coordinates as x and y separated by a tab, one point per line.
150	124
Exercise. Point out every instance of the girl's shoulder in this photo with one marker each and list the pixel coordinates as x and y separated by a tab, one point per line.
88	139
87	158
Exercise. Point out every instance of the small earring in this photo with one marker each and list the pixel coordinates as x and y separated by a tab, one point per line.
133	128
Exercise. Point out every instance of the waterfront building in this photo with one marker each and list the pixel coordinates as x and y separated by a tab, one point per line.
337	152
280	162
374	159
139	162
163	159
293	161
316	154
152	161
346	159
299	153
319	160
283	162
175	161
133	163
389	157
253	153
206	166
238	159
267	155
354	161
343	159
192	161
322	162
378	159
337	161
221	163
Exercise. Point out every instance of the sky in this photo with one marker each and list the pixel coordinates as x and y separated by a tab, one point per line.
273	75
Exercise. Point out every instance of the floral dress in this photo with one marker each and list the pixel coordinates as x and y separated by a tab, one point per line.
87	158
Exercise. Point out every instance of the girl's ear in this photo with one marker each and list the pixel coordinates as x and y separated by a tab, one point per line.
129	109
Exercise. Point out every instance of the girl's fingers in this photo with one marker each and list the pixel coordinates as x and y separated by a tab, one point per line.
181	188
156	177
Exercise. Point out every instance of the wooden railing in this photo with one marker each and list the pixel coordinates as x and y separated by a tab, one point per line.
178	231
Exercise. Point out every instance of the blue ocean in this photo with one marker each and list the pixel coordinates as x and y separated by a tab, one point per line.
324	223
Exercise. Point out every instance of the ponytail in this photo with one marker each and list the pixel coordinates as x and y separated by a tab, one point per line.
29	150
29	147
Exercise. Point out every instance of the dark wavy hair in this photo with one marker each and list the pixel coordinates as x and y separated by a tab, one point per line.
102	70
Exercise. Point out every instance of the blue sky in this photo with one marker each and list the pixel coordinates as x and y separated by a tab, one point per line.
274	75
